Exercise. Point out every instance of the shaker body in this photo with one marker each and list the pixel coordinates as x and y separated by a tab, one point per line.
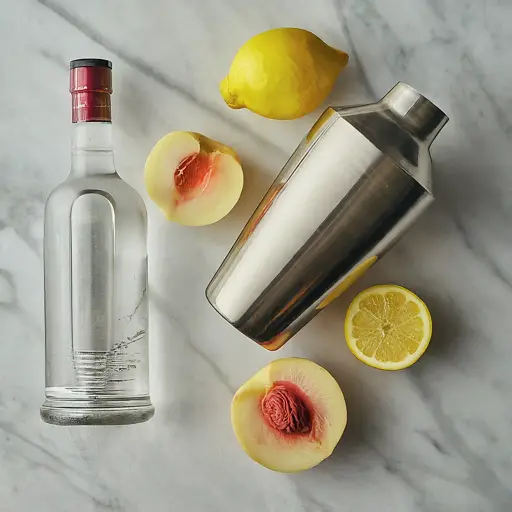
353	186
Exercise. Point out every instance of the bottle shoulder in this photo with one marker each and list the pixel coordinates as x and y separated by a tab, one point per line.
119	193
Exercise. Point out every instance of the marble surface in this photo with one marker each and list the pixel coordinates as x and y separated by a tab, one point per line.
436	437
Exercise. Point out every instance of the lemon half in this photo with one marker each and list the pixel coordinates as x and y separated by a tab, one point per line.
388	327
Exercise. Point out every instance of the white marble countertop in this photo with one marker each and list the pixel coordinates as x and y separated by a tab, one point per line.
435	437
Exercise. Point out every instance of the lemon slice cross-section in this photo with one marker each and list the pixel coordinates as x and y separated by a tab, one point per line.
388	327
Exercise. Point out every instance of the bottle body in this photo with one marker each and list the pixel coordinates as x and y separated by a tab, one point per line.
358	180
96	312
96	303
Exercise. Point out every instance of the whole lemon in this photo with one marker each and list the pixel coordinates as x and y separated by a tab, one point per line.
284	73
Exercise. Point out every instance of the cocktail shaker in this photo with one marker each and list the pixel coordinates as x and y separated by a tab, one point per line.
358	180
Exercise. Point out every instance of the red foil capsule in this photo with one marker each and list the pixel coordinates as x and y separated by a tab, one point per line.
90	84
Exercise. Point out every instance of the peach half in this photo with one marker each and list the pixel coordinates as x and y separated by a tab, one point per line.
194	180
290	415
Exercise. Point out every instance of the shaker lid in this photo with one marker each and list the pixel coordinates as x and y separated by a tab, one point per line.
422	118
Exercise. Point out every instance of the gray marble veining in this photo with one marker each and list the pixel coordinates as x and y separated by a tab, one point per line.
436	437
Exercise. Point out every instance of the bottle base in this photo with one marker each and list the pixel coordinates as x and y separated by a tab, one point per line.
72	412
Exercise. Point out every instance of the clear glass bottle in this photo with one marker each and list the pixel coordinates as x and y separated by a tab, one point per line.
95	265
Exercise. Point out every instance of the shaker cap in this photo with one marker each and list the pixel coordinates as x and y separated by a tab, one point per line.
423	119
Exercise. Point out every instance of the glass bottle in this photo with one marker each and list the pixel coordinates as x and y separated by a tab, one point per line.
95	266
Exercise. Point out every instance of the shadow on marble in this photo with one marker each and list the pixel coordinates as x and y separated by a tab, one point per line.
329	351
447	328
361	415
477	203
170	363
137	111
179	367
426	238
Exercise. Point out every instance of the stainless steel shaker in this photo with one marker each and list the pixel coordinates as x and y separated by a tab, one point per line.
357	181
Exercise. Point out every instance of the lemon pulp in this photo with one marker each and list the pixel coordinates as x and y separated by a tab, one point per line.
388	327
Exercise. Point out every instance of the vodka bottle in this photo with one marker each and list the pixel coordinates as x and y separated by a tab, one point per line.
95	266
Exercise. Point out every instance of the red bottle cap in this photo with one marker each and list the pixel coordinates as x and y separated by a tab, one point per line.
90	84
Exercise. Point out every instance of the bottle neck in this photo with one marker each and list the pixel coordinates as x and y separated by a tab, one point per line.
92	149
415	112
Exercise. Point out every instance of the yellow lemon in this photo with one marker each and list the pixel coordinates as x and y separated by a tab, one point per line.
283	73
388	327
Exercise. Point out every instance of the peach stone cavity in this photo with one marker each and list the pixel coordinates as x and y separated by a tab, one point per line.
192	176
285	410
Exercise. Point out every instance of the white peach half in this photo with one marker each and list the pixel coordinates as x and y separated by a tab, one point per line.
290	415
194	180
